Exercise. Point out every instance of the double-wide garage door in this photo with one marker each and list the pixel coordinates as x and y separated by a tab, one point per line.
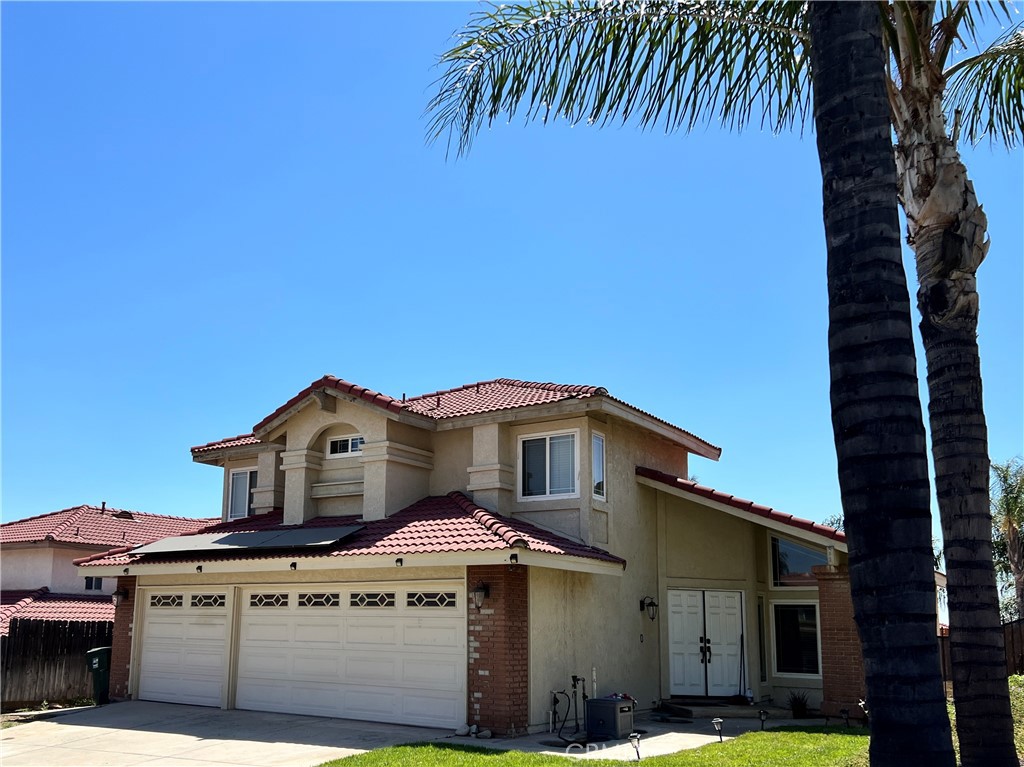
392	652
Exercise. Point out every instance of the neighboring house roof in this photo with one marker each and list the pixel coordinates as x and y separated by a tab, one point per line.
748	507
472	399
433	525
41	605
97	526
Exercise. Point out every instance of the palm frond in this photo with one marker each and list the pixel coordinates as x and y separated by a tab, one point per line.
675	64
988	91
969	15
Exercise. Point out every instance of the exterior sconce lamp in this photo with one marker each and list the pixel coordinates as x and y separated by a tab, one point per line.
199	568
648	605
293	566
634	741
480	593
398	562
119	596
764	715
718	727
513	559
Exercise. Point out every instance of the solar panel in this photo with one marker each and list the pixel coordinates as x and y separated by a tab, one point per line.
260	539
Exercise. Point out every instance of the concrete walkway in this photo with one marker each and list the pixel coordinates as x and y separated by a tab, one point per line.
170	735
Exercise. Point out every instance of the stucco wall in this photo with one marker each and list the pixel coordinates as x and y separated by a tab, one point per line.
47	565
26	568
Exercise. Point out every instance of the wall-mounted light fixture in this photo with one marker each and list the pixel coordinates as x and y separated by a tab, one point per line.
479	594
119	596
513	559
649	606
293	566
199	568
125	571
398	562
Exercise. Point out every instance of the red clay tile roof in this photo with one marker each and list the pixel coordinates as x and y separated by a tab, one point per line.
434	525
499	394
471	399
241	439
96	526
739	503
41	605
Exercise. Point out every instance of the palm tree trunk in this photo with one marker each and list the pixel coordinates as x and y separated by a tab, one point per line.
876	411
946	228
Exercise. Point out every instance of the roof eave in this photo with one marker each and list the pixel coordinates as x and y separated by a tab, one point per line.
772	524
306	563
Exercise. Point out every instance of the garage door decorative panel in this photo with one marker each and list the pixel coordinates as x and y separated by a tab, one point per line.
391	653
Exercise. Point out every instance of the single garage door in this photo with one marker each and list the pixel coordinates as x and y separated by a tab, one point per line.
384	652
184	646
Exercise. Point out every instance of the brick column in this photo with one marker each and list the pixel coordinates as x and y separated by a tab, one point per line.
498	684
842	662
121	646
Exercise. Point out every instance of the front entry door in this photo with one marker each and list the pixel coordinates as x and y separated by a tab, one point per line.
705	642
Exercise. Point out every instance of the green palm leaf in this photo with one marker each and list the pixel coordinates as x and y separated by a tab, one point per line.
987	89
674	64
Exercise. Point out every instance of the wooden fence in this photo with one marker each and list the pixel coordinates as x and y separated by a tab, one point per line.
1014	638
45	660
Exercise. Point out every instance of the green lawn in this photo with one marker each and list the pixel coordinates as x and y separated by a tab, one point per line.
782	747
797	747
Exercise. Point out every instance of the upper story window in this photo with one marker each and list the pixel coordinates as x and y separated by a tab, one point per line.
547	465
93	584
243	483
597	459
792	563
340	447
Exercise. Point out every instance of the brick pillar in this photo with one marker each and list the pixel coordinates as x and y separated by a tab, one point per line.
842	662
498	685
121	646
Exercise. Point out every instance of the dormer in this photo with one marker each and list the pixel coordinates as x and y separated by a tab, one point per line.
348	451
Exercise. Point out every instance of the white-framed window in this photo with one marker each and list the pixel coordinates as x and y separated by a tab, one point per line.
797	639
597	461
548	465
93	584
342	447
243	483
792	563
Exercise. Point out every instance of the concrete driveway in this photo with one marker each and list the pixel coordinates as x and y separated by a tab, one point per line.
170	735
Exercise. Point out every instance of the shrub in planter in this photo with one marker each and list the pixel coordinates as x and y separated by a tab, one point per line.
797	703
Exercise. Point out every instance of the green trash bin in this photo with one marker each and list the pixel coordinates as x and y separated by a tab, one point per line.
97	660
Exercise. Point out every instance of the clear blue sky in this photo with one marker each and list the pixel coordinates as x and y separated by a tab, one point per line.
208	206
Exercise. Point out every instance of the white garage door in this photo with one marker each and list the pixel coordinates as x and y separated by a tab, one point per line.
184	646
386	652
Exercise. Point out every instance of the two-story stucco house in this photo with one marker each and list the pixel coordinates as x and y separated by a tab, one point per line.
456	556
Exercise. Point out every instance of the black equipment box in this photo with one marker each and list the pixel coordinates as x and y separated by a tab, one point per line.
609	718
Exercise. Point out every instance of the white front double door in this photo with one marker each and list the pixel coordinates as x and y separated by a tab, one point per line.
705	634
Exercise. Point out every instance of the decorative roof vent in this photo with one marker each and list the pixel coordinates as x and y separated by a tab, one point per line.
123	515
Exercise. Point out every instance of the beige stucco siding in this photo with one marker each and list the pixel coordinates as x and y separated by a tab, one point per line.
453	454
590	625
32	566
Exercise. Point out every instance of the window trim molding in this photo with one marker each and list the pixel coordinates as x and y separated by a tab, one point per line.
351	453
604	465
248	471
775	656
519	465
778	591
